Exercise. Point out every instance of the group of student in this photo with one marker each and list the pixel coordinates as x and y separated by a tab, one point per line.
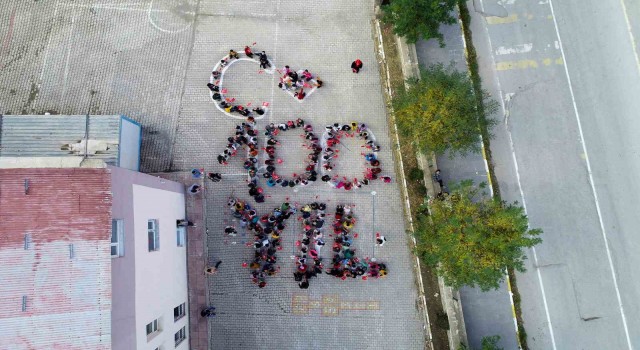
267	230
216	92
311	142
344	263
296	81
308	260
331	139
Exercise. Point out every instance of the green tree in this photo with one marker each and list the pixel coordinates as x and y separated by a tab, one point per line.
415	19
470	239
439	112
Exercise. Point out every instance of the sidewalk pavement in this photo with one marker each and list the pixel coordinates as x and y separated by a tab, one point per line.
485	313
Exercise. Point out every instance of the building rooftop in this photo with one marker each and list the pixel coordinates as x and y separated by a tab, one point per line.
61	140
55	228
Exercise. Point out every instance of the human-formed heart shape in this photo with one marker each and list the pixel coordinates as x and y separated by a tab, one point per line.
219	95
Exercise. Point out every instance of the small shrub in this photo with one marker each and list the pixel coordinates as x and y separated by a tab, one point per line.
422	190
416	174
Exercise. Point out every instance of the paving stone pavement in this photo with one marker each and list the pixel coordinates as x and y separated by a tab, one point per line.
151	60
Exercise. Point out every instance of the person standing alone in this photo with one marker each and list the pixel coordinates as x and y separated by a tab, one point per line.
356	65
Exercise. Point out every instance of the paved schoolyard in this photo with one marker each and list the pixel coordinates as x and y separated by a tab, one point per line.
151	61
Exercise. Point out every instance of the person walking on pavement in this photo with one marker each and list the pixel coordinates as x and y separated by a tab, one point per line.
212	270
356	65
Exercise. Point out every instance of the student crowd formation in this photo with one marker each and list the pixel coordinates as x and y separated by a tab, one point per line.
332	138
217	93
290	80
267	230
296	81
311	143
308	260
321	154
345	263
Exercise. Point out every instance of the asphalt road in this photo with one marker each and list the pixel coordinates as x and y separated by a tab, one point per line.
567	147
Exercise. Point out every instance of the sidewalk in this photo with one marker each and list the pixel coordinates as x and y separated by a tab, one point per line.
485	313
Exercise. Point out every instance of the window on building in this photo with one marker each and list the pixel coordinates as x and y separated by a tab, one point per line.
117	238
179	311
152	327
180	236
154	235
180	335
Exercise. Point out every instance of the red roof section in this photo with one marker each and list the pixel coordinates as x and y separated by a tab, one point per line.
60	204
64	273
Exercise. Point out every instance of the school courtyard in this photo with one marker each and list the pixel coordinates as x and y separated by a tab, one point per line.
151	60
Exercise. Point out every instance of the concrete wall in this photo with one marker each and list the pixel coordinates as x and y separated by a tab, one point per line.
130	140
147	285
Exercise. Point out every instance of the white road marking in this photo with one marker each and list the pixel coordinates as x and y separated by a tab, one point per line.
592	182
522	48
633	41
508	97
556	44
46	50
66	64
535	257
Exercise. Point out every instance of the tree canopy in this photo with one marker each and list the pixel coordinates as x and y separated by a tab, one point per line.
439	112
471	240
415	19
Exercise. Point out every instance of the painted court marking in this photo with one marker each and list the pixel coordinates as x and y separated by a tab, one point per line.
330	305
158	27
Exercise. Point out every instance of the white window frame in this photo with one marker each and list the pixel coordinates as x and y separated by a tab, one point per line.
155	328
118	224
155	231
181	235
182	309
180	336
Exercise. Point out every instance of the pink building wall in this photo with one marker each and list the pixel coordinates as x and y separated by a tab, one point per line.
128	312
